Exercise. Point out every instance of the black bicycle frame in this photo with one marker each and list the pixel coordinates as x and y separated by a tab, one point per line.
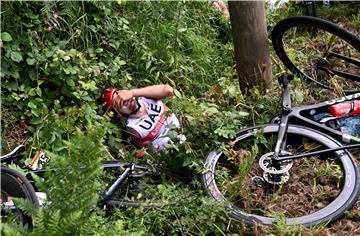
128	168
299	115
110	192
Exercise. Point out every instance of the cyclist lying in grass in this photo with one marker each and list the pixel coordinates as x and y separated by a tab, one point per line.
147	119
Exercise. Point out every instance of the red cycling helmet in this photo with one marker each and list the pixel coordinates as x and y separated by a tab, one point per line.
107	97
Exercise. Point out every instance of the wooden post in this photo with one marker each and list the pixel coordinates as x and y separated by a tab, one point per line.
253	64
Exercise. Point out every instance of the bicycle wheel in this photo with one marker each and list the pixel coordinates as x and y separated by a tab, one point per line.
306	45
13	184
307	191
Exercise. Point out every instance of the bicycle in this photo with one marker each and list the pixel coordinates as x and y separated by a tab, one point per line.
298	169
275	156
331	53
273	173
122	192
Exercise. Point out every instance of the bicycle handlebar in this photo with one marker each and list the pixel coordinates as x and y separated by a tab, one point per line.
15	153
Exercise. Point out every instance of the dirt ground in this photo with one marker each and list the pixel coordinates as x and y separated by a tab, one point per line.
348	225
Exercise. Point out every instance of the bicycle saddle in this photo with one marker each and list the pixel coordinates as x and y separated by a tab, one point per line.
13	155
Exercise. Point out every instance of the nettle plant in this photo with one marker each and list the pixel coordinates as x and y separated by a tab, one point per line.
47	80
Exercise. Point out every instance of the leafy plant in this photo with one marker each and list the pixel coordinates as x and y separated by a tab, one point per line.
58	57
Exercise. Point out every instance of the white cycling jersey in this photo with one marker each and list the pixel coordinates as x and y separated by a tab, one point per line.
154	127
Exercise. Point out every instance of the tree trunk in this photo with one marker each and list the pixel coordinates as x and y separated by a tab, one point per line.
250	36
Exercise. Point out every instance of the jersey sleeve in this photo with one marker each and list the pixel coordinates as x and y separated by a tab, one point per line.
134	138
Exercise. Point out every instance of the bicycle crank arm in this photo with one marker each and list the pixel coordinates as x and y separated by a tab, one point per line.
292	157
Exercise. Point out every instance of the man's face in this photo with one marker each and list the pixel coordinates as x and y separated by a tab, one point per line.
124	107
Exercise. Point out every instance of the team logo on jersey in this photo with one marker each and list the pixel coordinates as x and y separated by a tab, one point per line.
154	112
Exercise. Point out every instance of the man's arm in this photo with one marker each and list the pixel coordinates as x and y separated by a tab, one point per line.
154	91
158	91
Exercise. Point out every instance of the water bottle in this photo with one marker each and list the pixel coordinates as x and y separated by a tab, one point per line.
345	109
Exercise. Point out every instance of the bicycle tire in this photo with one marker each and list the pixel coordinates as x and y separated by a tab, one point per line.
14	184
217	183
296	25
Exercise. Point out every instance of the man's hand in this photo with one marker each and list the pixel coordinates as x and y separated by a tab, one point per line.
159	91
121	97
125	94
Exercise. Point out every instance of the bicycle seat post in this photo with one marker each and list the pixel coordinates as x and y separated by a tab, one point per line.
286	109
286	99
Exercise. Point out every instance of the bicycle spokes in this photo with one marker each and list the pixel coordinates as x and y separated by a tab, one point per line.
319	51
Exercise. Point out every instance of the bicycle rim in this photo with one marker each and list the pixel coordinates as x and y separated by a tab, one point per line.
303	44
14	185
315	190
